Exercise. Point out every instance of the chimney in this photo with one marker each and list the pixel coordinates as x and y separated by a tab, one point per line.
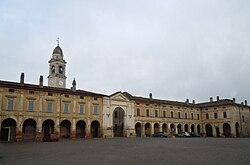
242	103
150	95
73	88
187	101
234	100
245	102
218	98
41	81
22	79
211	99
193	101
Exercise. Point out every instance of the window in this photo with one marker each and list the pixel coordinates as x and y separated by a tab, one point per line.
81	97
243	119
185	115
164	113
50	94
11	90
225	114
81	108
10	104
66	95
147	113
49	107
95	109
215	115
138	112
172	114
66	108
198	116
192	116
95	98
207	116
156	113
31	105
179	115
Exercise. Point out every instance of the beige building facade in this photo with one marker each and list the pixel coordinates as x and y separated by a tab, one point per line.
29	111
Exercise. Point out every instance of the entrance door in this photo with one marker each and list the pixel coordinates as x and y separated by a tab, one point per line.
118	122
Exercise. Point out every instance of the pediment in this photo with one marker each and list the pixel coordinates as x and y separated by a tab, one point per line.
119	97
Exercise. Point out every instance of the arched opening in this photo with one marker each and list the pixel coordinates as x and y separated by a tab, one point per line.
227	130
156	127
8	130
164	127
192	128
118	122
65	129
237	129
95	129
186	127
48	126
172	127
147	130
209	130
80	129
179	130
198	128
29	129
138	129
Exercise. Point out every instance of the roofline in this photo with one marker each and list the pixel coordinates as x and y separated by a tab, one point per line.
26	86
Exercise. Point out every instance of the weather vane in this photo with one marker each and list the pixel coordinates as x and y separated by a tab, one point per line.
57	41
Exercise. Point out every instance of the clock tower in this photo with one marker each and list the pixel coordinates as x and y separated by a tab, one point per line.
57	66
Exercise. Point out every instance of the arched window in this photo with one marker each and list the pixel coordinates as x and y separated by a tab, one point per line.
147	113
138	112
53	69
60	69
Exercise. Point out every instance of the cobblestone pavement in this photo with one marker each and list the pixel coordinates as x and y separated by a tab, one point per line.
129	151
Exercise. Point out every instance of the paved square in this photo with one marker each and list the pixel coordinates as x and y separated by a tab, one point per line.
129	151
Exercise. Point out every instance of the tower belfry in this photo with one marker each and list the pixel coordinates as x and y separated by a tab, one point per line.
57	68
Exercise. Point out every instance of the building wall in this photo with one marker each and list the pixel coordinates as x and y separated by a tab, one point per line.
20	112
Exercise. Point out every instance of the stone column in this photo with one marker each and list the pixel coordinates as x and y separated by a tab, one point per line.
214	130
233	129
39	134
152	129
143	130
73	129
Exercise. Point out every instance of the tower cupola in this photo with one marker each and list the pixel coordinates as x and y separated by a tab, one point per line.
57	68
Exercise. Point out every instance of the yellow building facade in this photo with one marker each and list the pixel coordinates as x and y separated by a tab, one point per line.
30	111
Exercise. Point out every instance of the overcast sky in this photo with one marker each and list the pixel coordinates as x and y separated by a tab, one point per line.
175	49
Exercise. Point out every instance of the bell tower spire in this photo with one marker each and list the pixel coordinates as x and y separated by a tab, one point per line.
57	68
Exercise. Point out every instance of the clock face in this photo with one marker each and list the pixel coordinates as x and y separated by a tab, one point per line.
60	82
51	82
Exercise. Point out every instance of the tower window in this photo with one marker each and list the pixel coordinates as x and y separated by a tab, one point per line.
60	69
53	69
